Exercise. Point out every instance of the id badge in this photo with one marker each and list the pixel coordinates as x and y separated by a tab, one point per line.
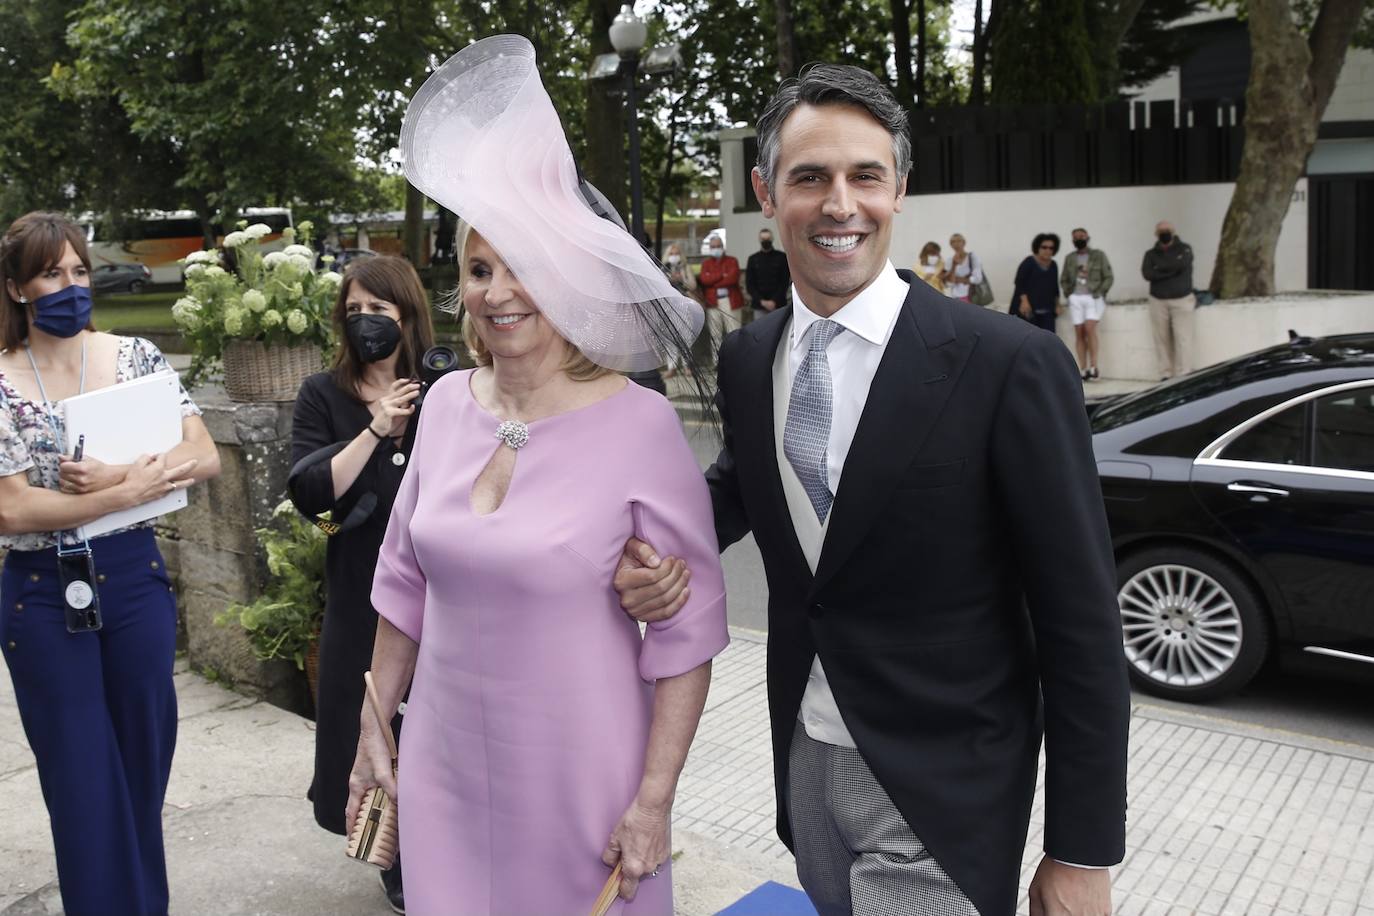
79	598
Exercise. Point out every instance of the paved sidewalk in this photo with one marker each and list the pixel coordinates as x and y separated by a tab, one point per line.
1224	818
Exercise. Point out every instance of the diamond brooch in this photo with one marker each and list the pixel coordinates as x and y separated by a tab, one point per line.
514	433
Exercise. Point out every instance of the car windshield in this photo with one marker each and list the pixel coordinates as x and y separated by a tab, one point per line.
1201	384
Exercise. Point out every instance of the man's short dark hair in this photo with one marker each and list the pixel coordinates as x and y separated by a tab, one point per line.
1079	229
1042	238
832	84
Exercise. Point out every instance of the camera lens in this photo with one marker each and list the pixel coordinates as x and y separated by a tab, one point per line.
439	358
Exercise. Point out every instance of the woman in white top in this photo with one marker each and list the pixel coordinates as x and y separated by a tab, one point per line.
963	270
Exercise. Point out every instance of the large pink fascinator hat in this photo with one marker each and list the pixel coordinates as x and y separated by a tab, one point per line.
482	138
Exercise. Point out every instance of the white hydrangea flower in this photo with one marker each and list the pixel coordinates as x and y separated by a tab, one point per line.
301	263
271	319
303	251
186	312
214	270
201	257
235	239
254	300
233	322
296	321
329	278
195	270
257	231
273	259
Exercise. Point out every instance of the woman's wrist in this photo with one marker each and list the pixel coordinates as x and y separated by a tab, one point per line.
374	432
656	795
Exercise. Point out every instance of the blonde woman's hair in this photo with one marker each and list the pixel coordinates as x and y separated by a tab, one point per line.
577	366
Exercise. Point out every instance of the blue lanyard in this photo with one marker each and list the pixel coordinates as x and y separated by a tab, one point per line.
57	434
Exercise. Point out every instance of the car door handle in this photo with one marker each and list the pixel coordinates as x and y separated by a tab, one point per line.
1255	489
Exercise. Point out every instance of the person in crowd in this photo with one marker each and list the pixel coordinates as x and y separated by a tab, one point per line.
98	705
1035	296
354	420
963	270
720	293
914	477
1085	281
930	267
1168	266
766	277
542	731
684	280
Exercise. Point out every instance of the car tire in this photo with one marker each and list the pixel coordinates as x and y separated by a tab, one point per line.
136	286
1193	628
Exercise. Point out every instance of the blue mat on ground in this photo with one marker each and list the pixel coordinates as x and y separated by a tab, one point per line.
771	899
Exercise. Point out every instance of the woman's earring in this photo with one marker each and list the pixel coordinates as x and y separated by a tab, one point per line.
23	300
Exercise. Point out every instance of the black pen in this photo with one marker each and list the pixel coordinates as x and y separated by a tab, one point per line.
80	447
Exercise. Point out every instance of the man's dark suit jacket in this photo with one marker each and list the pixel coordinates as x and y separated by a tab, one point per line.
966	573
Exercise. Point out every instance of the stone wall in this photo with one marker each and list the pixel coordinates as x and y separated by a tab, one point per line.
212	551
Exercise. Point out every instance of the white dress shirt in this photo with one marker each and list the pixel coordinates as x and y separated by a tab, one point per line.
854	354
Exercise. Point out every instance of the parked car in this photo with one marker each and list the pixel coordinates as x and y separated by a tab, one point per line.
120	278
1241	505
344	256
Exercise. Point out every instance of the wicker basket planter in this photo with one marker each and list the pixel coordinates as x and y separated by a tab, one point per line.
254	371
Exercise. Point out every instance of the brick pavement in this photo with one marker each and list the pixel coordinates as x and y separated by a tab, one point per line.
1223	818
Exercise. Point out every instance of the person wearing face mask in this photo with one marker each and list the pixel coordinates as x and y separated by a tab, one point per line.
362	407
684	281
1085	280
1168	265
766	277
720	294
98	705
930	267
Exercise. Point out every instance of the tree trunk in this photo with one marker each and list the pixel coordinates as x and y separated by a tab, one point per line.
787	39
1291	81
414	233
980	53
901	45
606	163
921	53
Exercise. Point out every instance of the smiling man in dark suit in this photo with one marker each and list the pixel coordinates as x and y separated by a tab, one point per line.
918	474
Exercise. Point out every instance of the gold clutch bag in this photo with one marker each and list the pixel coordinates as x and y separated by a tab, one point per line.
374	838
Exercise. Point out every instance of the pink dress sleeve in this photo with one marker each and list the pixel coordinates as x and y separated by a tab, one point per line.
672	512
398	587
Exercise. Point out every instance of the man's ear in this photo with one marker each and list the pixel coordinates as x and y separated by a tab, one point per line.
901	195
761	192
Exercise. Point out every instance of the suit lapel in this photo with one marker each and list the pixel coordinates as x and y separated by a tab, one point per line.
754	429
918	371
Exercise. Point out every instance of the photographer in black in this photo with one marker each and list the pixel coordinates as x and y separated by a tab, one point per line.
350	443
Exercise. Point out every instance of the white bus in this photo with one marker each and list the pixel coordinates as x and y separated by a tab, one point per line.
159	239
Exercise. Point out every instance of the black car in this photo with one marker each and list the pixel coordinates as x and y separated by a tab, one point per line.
1241	505
120	278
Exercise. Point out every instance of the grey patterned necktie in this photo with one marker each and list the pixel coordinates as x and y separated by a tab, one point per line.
806	435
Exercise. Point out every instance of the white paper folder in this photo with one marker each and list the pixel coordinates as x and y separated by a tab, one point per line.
121	422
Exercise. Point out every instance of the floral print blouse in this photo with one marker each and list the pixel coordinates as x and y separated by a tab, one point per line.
27	442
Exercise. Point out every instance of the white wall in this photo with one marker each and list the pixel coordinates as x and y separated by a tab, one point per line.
1353	99
999	226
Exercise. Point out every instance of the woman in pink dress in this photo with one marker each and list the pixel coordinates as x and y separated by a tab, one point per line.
544	734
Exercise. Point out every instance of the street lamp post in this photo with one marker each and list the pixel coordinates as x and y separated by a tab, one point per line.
628	34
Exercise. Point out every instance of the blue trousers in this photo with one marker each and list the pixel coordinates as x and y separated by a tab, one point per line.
99	711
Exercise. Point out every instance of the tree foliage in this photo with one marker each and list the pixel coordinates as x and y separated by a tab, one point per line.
1042	54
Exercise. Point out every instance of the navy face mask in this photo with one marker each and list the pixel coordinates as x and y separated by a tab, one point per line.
64	313
372	337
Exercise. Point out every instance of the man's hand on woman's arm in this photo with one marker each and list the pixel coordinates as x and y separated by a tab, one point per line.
650	588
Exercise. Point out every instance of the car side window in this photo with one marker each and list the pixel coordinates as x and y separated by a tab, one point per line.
1345	431
1278	440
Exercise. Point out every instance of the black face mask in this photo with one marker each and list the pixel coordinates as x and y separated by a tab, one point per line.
372	337
1080	244
766	244
1166	237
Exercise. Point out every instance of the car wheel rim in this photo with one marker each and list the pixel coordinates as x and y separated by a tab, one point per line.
1180	627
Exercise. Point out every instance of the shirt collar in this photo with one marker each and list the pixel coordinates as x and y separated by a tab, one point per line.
870	315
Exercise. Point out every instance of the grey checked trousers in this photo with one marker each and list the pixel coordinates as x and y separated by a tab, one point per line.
855	852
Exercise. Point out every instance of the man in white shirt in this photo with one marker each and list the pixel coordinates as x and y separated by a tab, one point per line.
914	480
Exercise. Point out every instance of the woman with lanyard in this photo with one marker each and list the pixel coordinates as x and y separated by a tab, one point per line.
98	705
349	448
